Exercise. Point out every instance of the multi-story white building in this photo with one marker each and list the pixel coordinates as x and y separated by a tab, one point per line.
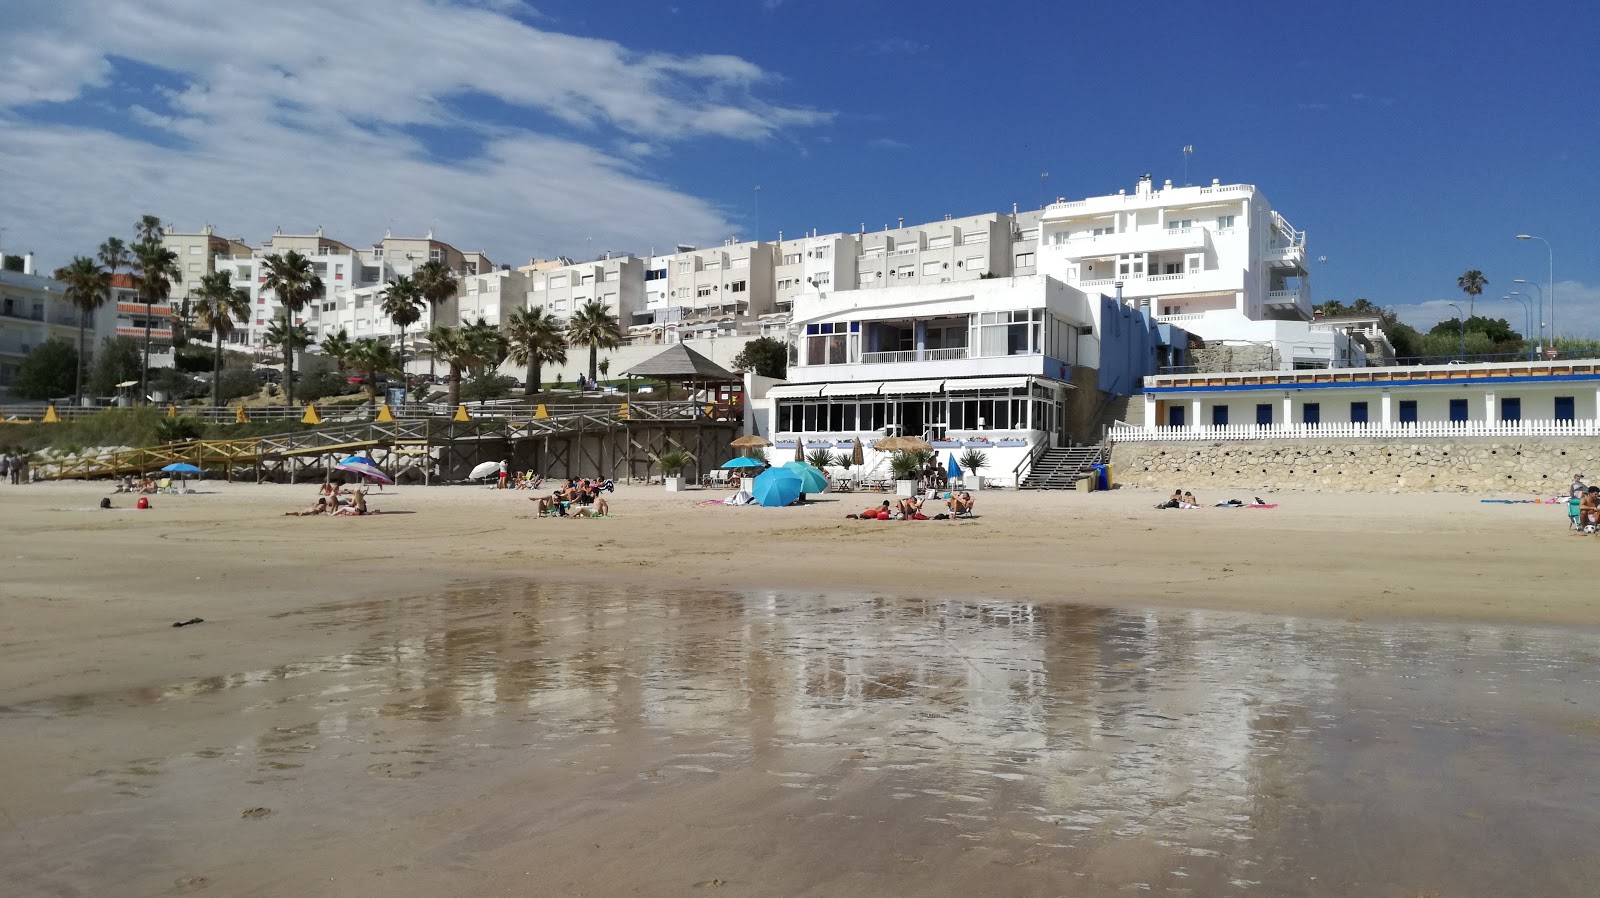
32	311
126	316
562	287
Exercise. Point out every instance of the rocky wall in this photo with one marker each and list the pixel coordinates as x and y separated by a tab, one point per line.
1487	465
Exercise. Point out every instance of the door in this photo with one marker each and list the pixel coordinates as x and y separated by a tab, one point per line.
1311	413
1358	413
1565	410
1408	411
911	419
1458	411
1264	414
1174	415
1219	416
1511	409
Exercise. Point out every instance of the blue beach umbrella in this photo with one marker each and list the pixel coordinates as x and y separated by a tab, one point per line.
181	467
953	469
812	480
744	461
355	464
776	487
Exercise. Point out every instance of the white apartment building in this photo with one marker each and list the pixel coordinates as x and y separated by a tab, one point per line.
32	311
562	287
1216	260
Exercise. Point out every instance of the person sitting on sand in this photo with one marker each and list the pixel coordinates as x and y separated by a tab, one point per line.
735	481
1589	510
146	485
357	506
960	504
1189	501
320	507
555	503
910	508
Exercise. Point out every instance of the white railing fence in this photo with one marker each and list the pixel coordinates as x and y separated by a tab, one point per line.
1420	430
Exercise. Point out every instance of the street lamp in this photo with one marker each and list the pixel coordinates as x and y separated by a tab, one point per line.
1552	255
1461	320
1527	316
1541	309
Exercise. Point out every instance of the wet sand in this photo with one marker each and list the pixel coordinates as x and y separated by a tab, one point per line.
1071	695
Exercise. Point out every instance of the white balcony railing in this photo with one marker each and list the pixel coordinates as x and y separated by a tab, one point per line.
1166	277
1284	296
911	355
1129	433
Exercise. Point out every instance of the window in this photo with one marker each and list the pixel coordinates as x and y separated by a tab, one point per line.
736	287
435	255
261	300
1180	224
905	271
1007	333
655	274
1219	416
976	237
194	266
703	291
1358	413
1024	260
1458	410
822	280
1565	410
1264	414
833	343
930	269
587	279
1311	413
686	265
538	286
1104	232
940	242
791	258
1224	222
377	252
975	263
1511	409
822	252
1172	268
1408	411
741	262
557	282
194	250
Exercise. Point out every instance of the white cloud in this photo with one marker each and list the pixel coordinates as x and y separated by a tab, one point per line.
887	143
292	113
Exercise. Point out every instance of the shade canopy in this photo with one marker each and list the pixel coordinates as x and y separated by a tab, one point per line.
181	467
856	457
679	362
953	469
812	480
744	461
903	444
355	464
751	442
776	487
486	469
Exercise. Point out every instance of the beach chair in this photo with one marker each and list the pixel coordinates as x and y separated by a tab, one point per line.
165	486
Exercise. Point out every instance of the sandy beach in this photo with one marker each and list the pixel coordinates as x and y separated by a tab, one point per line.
327	642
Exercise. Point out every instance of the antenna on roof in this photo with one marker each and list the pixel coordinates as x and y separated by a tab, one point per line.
1188	150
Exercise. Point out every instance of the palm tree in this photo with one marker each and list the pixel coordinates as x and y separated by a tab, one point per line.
436	284
471	347
535	338
402	302
489	341
158	268
114	255
338	347
1472	284
218	307
291	280
282	335
595	328
88	288
370	357
148	229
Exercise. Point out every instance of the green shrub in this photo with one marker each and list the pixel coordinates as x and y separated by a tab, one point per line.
673	461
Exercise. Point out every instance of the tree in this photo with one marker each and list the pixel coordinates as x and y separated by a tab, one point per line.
116	362
285	336
822	458
47	371
605	367
370	357
157	268
1406	340
338	347
148	229
11	263
114	256
595	328
216	310
766	356
436	284
1472	284
974	460
471	347
534	338
402	302
291	280
88	288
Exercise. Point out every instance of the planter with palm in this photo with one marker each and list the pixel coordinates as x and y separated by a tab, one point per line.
157	268
88	288
822	458
1472	283
534	338
973	461
672	463
217	309
436	285
595	327
402	302
291	279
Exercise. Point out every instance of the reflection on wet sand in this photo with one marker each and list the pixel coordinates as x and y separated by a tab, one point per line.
1069	748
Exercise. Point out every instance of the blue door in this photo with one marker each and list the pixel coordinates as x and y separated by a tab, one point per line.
1311	413
1564	409
1458	410
1408	411
1511	409
1358	413
1219	416
1174	416
1264	414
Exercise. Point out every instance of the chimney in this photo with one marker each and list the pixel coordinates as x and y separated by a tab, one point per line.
1118	285
1013	208
902	222
27	263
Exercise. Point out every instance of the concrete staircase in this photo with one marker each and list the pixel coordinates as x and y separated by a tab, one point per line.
1059	469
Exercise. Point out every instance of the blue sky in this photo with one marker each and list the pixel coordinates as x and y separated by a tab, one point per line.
1410	140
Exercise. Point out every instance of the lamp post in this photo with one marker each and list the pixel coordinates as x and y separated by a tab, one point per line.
1461	320
1527	316
1552	254
1525	283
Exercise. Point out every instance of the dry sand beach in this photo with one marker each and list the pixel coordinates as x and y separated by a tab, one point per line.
1068	695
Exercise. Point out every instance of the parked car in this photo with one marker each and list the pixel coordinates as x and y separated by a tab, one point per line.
271	375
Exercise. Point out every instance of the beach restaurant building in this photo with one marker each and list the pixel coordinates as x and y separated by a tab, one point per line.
1539	398
987	364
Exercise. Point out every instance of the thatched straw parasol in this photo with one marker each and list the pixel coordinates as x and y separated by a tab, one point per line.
903	444
751	442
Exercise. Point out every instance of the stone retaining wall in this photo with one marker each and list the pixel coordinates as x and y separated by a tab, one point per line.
1483	465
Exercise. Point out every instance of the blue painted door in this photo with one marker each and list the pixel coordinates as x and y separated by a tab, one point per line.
1458	410
1408	411
1174	416
1565	410
1264	414
1511	409
1219	416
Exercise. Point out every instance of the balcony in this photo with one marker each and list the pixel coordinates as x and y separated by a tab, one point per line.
1185	240
156	333
911	355
1286	297
1287	256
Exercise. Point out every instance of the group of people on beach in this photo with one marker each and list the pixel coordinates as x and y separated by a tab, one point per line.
1180	498
13	469
333	500
960	505
578	499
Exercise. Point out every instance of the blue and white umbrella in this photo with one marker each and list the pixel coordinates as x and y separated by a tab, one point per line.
355	464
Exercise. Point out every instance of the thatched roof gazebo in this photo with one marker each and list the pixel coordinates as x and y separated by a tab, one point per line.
681	365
